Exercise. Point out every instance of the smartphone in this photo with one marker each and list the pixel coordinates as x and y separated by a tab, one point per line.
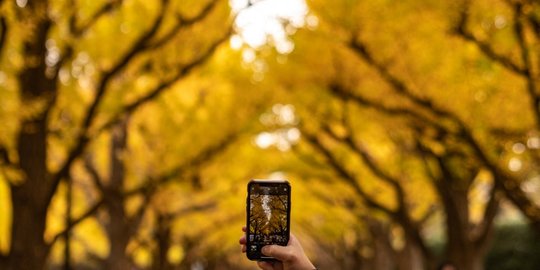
268	216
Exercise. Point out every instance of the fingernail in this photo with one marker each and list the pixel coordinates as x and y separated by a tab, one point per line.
264	249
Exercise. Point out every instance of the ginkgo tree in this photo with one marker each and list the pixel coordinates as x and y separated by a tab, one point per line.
69	70
446	95
510	42
153	185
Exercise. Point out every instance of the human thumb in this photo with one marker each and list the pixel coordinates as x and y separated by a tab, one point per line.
282	253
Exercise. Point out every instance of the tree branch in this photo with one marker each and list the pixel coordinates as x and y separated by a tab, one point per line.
89	117
308	158
461	30
3	33
508	183
182	23
400	87
535	22
368	160
344	174
432	209
154	93
78	31
91	211
397	84
401	216
181	74
94	175
484	229
527	61
346	95
135	221
137	48
198	160
83	140
4	156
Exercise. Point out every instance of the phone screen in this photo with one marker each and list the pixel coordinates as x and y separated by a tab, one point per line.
268	216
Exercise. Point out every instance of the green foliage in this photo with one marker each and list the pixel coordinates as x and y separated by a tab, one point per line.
514	246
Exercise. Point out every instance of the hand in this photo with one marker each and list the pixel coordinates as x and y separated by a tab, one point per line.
290	257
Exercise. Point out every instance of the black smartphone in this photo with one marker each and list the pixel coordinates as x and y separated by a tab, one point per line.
268	216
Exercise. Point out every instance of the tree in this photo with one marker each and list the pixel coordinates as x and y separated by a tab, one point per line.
58	35
257	216
121	226
444	140
517	59
396	205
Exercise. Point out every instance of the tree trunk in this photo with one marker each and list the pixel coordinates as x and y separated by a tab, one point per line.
29	202
465	250
189	243
163	239
458	248
384	256
119	235
30	198
119	228
411	257
28	248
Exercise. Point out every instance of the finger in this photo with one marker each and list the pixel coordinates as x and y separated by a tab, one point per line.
279	252
242	240
265	265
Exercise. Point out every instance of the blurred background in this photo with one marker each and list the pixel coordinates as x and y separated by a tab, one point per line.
409	131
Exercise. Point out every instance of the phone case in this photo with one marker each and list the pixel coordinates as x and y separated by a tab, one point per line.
271	201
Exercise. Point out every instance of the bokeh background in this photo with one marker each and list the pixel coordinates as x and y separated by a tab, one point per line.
409	131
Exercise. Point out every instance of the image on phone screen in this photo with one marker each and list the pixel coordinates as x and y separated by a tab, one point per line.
268	216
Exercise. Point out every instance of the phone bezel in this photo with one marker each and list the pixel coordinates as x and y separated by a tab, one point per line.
257	256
